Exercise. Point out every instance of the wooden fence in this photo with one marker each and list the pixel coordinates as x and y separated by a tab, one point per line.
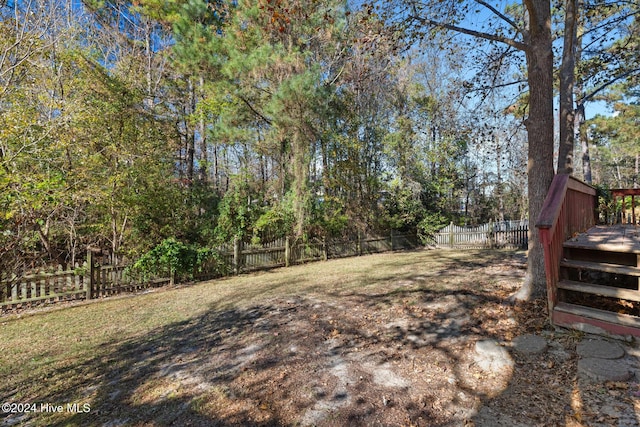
506	234
81	282
97	277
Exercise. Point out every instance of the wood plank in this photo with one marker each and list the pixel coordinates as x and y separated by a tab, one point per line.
42	297
553	202
618	238
604	315
605	291
580	186
602	266
572	321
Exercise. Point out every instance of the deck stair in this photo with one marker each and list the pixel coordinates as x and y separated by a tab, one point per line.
598	281
592	266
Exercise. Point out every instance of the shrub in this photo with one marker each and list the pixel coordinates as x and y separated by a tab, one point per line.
429	226
172	258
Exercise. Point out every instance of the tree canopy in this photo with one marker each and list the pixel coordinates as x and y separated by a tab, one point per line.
124	124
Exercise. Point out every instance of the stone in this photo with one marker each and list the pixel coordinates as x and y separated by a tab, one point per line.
604	369
601	349
530	344
492	357
383	375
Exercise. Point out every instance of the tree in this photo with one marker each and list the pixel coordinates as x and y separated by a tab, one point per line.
32	187
567	81
617	141
533	38
80	145
599	52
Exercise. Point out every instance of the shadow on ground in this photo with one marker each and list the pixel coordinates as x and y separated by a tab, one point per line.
399	354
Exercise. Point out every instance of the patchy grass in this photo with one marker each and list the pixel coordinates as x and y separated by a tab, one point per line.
382	339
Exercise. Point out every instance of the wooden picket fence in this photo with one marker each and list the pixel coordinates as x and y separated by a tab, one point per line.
506	234
97	277
81	282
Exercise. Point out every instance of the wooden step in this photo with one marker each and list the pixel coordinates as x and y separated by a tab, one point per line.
602	266
605	291
602	315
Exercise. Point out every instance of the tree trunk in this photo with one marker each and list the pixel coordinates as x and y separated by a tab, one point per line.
499	187
203	162
300	177
567	81
191	135
637	170
581	132
539	126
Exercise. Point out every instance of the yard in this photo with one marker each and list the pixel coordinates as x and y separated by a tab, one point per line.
384	339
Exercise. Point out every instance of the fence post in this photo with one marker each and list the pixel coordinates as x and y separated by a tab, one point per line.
90	277
392	245
359	244
287	251
236	255
492	236
451	240
325	252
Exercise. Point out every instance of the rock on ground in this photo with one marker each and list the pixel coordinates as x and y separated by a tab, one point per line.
530	344
492	357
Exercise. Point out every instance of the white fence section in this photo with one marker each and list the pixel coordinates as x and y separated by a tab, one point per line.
505	234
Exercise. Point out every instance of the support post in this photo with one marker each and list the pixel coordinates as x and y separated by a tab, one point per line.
89	279
392	245
287	251
325	252
492	235
236	255
451	241
638	265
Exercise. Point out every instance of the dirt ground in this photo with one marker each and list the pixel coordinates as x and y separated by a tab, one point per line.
402	356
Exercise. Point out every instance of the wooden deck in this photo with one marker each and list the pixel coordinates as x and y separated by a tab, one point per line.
593	278
599	278
612	238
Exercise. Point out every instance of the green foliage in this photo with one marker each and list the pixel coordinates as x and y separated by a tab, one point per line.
403	206
172	258
429	226
618	143
329	217
605	207
156	128
239	208
277	221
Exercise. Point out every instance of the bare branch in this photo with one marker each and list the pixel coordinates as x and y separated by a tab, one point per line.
498	86
256	112
500	15
479	34
594	92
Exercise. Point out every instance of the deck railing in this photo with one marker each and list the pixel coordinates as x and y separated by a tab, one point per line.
570	208
621	216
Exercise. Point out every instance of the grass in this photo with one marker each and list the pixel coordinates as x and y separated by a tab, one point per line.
74	354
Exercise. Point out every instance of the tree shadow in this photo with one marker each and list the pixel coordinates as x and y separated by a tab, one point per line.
371	356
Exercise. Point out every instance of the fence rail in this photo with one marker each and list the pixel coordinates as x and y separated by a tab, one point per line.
505	234
97	278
